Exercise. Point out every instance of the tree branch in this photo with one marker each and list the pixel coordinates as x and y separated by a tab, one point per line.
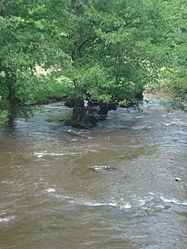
81	45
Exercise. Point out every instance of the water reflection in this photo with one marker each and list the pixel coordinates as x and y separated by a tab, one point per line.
15	113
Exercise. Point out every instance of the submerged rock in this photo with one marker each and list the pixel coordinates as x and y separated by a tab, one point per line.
79	124
177	179
87	121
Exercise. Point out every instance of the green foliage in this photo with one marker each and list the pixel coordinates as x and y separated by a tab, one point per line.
4	113
108	50
4	117
108	47
93	81
172	78
26	41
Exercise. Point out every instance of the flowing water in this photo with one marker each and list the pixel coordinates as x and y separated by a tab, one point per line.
111	187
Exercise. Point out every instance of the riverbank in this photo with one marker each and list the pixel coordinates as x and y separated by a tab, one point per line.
26	112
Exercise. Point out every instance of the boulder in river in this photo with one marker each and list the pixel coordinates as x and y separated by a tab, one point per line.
177	179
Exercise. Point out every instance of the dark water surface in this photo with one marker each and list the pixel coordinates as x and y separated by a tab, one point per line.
112	187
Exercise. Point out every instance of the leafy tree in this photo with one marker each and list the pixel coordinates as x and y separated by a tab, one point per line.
103	50
26	40
113	46
172	49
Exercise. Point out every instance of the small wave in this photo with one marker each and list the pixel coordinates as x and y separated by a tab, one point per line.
39	155
139	117
78	133
125	206
153	203
140	127
110	204
167	124
100	167
173	201
90	203
91	150
51	190
175	123
141	202
121	204
42	154
6	219
74	140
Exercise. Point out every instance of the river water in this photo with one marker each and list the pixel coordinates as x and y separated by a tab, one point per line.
111	187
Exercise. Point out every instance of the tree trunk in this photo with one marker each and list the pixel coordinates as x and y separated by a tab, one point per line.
74	7
76	33
103	109
11	95
78	111
12	118
10	82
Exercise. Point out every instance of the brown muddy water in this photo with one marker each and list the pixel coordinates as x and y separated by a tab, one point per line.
111	187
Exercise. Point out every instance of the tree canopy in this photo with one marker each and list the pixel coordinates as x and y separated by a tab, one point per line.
107	50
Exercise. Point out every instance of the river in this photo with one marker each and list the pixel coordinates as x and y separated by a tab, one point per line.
110	187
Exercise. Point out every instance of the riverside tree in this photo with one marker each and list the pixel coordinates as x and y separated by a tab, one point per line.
103	50
110	45
26	41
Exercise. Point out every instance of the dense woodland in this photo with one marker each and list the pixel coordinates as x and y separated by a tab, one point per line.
106	51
